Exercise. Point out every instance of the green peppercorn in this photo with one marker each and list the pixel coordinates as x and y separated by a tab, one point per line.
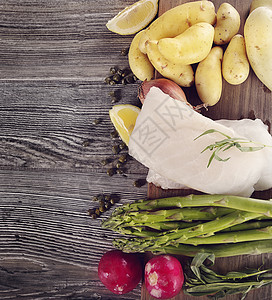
129	78
114	100
113	70
123	158
114	134
115	149
111	171
96	121
91	211
107	80
105	161
107	205
139	182
116	77
123	146
102	209
95	198
119	165
100	197
124	51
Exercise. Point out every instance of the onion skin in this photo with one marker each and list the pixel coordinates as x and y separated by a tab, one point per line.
167	86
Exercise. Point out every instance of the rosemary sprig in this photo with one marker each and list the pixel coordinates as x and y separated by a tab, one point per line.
227	143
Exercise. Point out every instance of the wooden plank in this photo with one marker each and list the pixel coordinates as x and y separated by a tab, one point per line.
248	100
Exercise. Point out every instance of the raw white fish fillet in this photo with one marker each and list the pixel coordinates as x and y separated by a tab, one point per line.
163	140
163	182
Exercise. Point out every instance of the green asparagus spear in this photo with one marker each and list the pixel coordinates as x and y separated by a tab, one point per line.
232	237
175	237
263	207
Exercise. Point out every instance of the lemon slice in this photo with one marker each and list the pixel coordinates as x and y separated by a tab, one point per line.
134	17
124	117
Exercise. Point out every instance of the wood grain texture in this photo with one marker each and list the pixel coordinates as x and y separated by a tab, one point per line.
54	56
248	100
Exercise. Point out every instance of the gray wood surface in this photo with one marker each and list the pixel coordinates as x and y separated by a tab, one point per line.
54	56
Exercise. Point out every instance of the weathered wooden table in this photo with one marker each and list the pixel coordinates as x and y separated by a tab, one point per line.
54	56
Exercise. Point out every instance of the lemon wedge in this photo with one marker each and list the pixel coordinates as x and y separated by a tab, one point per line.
134	17
124	117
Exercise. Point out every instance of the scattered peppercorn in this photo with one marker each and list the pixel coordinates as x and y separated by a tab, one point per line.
114	134
123	158
105	161
112	82
119	171
97	212
116	77
124	51
119	165
113	70
96	121
122	146
102	209
111	171
115	149
139	182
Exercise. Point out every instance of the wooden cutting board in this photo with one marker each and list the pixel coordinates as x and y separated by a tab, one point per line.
248	100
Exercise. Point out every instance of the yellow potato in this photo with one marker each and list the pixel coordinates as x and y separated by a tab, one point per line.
176	20
190	47
258	3
180	74
208	77
227	24
235	65
257	31
138	61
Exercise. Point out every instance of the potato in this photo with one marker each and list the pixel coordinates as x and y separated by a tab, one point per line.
180	74
190	47
176	20
227	24
138	61
257	31
258	3
235	65
208	77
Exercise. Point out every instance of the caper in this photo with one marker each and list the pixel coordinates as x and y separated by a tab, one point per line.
123	158
112	201
111	171
97	212
139	182
124	82
114	134
105	161
116	77
115	149
113	70
124	51
112	82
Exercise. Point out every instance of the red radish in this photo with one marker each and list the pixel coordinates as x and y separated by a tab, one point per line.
120	272
163	277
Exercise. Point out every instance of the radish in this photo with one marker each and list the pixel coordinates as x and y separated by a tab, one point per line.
163	277
120	272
